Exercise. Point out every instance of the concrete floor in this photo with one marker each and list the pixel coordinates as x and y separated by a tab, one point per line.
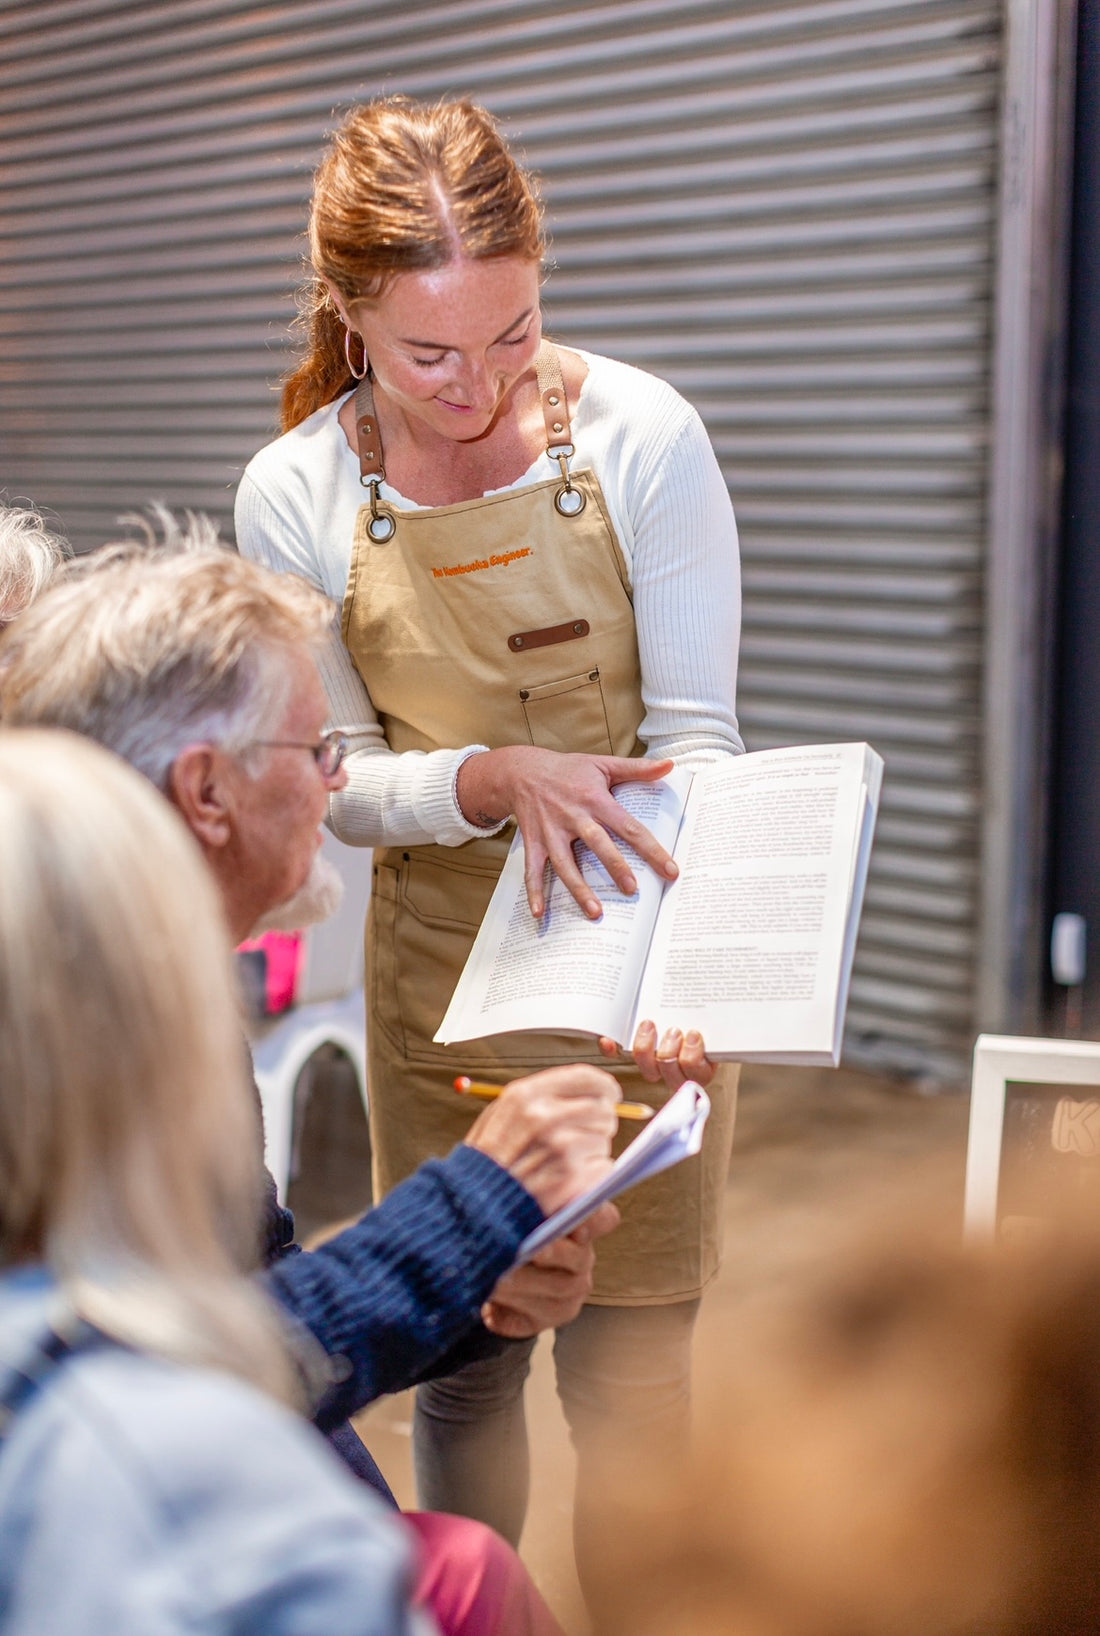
808	1143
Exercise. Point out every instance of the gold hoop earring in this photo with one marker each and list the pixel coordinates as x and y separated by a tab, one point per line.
356	374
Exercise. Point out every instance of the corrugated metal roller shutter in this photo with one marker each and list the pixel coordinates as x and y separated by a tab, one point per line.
785	209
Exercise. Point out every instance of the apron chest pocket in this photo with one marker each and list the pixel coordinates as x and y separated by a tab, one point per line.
568	715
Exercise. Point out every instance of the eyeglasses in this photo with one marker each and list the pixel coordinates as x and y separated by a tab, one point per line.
328	752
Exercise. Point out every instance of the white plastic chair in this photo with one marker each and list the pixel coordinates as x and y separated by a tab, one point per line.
329	1011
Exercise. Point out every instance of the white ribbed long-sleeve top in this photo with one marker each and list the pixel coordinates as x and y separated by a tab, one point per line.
295	512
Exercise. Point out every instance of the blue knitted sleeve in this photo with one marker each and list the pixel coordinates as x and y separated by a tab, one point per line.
397	1292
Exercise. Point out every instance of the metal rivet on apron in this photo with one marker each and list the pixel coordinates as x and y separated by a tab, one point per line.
580	627
558	426
553	400
524	694
516	641
593	675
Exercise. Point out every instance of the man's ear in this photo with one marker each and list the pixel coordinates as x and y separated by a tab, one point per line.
199	789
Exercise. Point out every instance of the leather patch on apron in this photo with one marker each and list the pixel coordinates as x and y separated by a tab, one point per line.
549	635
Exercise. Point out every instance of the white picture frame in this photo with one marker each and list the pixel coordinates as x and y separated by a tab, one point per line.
1001	1060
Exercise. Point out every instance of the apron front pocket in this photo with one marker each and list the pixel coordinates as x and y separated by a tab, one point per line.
442	893
421	930
568	715
441	899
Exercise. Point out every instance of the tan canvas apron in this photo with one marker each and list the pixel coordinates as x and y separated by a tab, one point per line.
503	620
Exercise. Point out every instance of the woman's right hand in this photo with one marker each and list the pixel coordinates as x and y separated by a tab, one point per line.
558	799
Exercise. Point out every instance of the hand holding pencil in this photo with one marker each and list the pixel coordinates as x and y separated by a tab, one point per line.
552	1130
489	1093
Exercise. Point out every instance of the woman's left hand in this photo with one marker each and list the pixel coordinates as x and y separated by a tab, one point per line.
675	1058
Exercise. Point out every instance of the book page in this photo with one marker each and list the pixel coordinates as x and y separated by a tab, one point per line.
564	971
872	787
750	941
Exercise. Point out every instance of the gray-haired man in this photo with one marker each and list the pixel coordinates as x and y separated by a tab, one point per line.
198	668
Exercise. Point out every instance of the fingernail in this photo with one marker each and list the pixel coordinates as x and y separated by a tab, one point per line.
671	869
694	1037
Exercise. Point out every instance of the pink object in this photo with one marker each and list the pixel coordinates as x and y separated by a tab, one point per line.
473	1582
282	953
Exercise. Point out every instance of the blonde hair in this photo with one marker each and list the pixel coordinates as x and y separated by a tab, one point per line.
129	1135
29	556
148	650
404	187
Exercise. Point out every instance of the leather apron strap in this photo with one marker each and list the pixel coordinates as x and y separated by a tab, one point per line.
569	500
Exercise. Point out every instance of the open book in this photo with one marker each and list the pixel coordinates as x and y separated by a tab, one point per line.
674	1133
752	945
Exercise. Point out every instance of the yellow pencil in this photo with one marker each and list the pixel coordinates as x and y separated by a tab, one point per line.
489	1093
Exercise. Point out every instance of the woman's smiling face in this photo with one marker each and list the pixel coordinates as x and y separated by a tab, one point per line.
446	347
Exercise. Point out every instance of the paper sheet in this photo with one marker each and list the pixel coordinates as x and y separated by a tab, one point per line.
674	1133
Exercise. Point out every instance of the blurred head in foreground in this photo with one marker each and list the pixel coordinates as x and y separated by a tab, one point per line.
128	1144
29	557
909	1446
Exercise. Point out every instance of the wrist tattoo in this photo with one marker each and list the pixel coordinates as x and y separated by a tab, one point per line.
486	820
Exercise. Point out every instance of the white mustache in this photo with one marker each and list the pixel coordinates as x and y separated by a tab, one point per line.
315	900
